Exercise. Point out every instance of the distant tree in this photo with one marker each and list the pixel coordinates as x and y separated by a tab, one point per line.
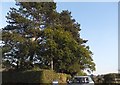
111	78
38	34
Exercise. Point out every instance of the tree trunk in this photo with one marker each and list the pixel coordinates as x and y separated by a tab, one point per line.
52	65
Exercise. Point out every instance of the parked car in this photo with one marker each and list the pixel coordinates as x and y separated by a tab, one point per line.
81	80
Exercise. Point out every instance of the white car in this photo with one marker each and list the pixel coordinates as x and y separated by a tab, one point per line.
81	80
55	82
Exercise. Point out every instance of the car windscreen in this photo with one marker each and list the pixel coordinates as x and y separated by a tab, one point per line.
81	80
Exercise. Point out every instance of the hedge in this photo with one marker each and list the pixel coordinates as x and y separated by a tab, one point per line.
32	76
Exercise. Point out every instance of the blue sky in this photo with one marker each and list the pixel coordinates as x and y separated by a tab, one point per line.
99	24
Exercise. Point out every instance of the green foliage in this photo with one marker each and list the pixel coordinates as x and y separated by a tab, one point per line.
38	35
67	52
81	73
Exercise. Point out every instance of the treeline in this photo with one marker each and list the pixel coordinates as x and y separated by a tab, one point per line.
111	78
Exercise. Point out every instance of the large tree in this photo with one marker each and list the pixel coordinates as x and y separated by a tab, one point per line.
38	34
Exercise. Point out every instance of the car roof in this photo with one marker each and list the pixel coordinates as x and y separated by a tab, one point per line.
80	76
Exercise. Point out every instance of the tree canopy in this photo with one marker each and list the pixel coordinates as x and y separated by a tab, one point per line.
38	35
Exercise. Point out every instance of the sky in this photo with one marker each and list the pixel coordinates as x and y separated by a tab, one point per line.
99	24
